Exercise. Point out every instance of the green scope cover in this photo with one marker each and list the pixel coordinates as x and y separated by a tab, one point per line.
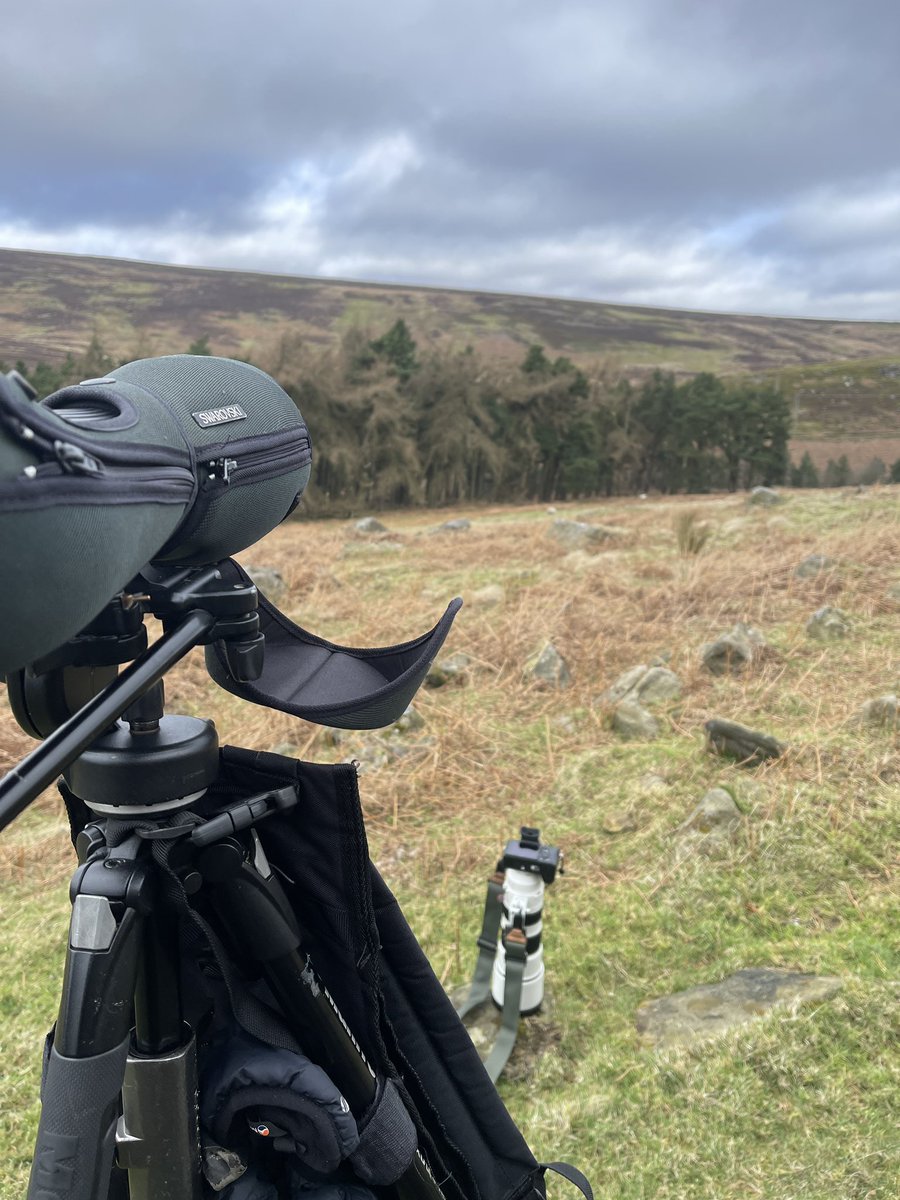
180	460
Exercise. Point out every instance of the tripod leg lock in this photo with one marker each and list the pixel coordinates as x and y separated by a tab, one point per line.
159	1110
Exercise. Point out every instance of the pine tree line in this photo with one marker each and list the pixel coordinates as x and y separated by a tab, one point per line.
394	425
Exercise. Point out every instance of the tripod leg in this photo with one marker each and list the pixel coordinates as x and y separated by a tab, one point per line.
255	923
80	1095
116	973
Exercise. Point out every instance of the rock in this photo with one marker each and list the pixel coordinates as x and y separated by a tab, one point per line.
482	1023
732	652
716	816
828	623
566	723
409	721
350	549
652	782
270	582
713	1008
657	686
731	740
451	669
754	636
579	534
644	685
728	654
631	721
538	1035
488	596
619	822
369	525
457	525
765	496
880	713
625	684
549	669
893	593
813	565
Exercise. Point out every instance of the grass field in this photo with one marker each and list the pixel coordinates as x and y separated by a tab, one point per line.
797	1104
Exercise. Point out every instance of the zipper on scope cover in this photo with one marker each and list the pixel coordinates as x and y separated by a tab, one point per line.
247	461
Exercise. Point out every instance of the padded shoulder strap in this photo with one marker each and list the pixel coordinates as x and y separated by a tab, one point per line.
308	677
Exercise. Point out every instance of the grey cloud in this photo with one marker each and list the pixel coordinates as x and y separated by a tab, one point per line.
648	122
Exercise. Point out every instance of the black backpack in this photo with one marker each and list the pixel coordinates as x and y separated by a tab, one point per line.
433	1089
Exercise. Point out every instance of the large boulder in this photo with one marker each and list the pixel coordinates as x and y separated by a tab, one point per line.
456	525
452	668
713	822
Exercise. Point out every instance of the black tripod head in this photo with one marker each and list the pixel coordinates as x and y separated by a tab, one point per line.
75	695
53	689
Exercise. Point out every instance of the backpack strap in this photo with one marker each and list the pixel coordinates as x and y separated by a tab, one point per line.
487	947
516	947
573	1175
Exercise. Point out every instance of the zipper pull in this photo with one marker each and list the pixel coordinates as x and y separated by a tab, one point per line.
75	461
221	468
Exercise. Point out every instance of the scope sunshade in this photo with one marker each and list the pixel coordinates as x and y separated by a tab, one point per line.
309	677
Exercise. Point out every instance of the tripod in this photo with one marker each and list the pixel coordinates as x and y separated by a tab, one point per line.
121	1078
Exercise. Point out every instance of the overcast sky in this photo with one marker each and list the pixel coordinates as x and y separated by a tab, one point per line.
738	155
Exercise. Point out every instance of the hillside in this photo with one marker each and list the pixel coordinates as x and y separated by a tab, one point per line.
845	375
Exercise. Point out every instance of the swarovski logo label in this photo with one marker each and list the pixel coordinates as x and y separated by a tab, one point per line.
219	416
